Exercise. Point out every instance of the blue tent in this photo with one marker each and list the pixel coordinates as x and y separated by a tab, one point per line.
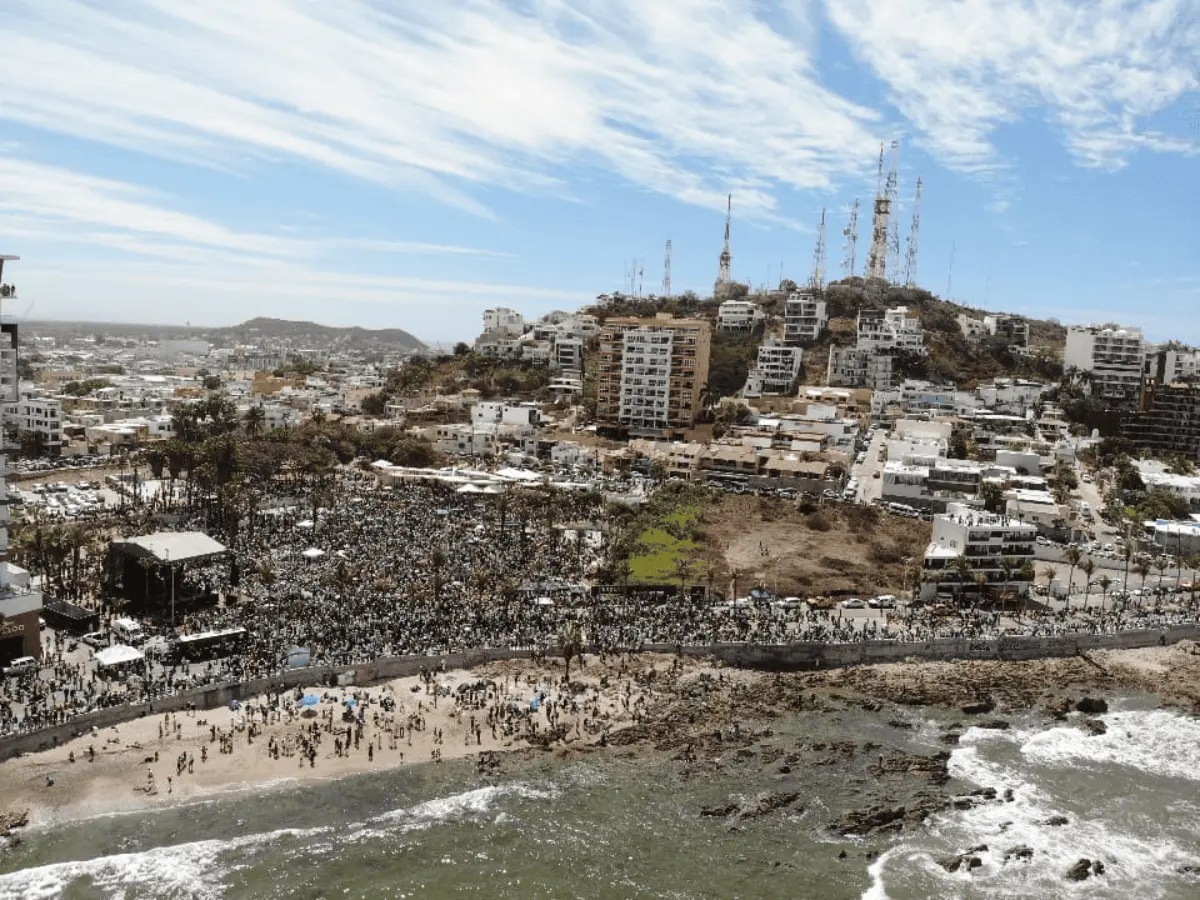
310	700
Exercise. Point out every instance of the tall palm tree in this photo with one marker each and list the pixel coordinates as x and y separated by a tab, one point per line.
1162	563
1087	567
1105	583
253	420
1071	556
1049	573
570	645
962	568
1143	568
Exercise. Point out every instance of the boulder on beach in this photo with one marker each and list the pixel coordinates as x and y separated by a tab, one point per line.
1085	868
760	805
1056	821
1092	706
979	707
1094	726
1020	852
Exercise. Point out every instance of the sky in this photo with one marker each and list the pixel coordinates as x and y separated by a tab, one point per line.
394	163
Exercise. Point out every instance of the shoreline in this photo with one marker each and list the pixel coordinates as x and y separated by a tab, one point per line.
794	657
647	702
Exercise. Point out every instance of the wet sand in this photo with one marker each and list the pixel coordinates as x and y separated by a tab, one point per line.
417	730
656	700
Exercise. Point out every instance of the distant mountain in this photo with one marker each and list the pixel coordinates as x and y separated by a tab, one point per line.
283	329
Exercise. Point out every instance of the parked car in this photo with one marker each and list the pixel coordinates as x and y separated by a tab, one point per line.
95	639
21	666
853	603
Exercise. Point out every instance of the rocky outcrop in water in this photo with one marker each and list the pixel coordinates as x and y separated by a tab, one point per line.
756	807
1094	726
1056	821
1092	706
14	818
1021	852
1084	869
979	707
934	766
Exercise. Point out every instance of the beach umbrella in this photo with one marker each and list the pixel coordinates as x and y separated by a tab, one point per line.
310	700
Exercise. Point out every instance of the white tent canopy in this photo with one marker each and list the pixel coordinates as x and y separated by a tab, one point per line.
116	655
313	553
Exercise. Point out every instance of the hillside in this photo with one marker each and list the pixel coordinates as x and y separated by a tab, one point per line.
350	336
952	358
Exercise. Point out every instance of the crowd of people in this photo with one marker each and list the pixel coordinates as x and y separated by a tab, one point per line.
422	569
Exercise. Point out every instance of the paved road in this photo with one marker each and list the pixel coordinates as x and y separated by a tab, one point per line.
869	487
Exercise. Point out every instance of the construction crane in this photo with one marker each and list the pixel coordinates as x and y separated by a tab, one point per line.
914	236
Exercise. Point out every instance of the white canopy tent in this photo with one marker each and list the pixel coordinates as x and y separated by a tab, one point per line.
313	553
117	654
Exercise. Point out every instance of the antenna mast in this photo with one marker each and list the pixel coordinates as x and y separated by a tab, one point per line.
667	271
640	271
950	277
893	196
723	276
818	273
877	259
851	246
914	235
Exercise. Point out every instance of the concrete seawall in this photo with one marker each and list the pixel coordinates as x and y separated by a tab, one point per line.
795	657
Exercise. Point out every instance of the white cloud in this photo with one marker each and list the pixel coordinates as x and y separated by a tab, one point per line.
959	69
688	98
50	203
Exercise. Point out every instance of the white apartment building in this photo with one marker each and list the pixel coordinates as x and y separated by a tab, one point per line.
1014	329
36	415
1170	365
804	318
988	541
776	370
503	320
894	329
491	412
1113	355
646	378
972	328
568	355
20	605
739	316
854	367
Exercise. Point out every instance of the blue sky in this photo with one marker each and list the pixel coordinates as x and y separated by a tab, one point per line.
396	163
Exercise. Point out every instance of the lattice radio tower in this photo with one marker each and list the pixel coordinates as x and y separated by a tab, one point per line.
893	194
877	256
850	247
667	270
818	273
914	237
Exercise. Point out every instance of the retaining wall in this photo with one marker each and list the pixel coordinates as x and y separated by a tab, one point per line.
789	657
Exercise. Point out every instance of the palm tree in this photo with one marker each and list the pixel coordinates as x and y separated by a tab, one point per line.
253	420
437	560
1105	583
1008	565
1049	573
1087	567
1162	563
1071	556
570	645
1142	567
962	568
683	571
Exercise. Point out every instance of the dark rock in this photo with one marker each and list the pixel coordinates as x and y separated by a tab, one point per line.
1008	795
899	723
967	859
864	821
1020	852
963	803
1080	871
1095	726
988	793
1092	706
1188	870
761	805
14	818
993	724
785	769
982	848
1056	821
1097	867
979	708
950	737
842	855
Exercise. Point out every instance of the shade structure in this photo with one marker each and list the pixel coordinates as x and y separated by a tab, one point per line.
313	553
116	655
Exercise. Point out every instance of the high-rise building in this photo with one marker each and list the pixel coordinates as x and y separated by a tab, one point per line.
894	329
1113	357
1168	420
651	374
776	370
20	605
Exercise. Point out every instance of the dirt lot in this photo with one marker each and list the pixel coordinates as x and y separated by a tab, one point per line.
840	547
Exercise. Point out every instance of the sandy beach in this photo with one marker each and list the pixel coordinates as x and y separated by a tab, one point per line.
176	758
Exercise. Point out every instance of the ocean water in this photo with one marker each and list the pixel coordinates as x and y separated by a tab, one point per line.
610	826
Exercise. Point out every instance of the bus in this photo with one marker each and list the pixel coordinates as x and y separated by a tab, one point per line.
209	644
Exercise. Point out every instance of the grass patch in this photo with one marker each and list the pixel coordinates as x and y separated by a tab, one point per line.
667	537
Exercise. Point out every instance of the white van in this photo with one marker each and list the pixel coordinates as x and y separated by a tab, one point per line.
21	665
128	631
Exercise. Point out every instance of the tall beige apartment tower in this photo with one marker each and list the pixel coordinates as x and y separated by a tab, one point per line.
651	375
